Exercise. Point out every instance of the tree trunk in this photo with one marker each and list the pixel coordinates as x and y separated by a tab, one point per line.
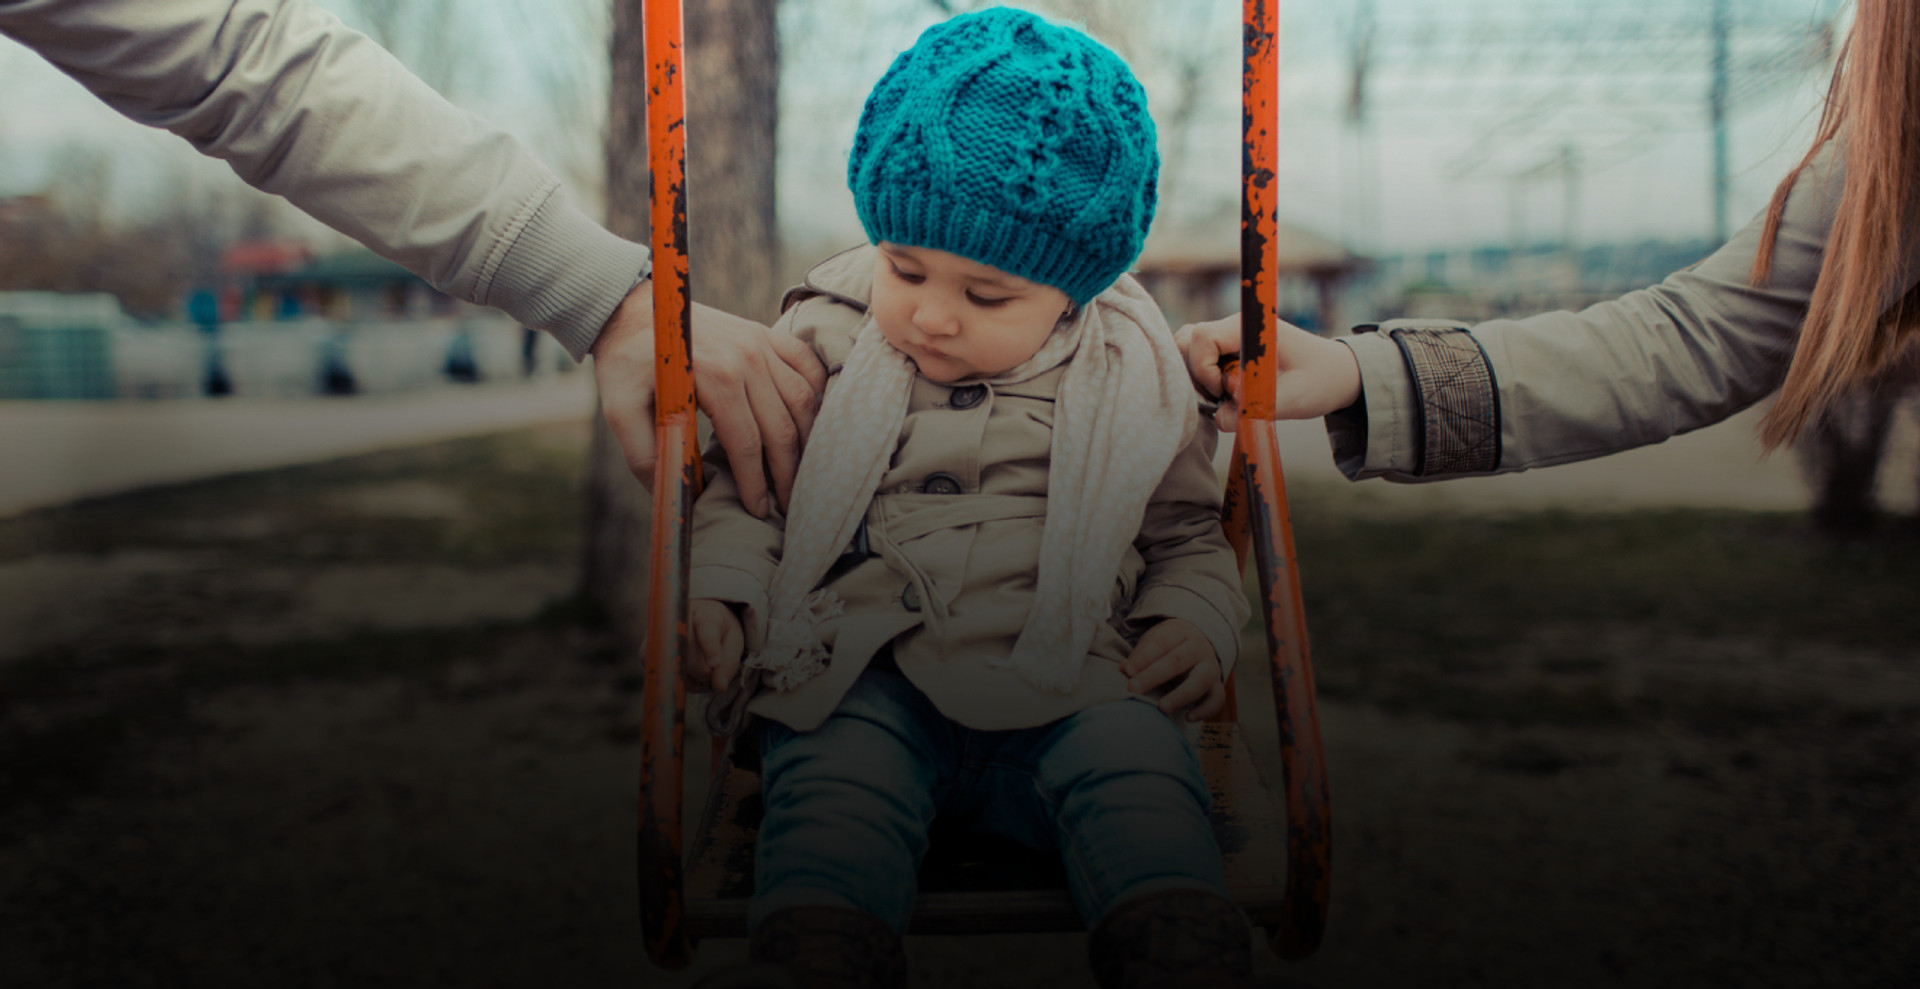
733	70
1840	455
1841	450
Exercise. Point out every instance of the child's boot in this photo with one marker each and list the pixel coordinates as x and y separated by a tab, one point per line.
1176	939
826	947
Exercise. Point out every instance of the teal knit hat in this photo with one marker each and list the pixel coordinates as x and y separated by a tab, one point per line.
1013	142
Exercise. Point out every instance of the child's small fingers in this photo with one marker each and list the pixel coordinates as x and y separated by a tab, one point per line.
727	657
1189	692
1210	705
708	640
1161	671
1144	655
1155	644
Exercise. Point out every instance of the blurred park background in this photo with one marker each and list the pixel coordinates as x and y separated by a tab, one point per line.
316	636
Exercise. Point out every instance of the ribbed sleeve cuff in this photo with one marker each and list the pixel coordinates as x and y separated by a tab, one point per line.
565	274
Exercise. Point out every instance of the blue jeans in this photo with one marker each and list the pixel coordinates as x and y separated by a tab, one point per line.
1116	788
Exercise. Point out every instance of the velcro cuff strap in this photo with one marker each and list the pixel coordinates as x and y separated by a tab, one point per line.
1456	395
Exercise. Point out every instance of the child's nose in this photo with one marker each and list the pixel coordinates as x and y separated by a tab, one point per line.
934	319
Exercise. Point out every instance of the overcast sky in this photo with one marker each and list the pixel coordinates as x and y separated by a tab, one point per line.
1473	110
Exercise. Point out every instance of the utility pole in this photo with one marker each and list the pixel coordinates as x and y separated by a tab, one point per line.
1546	67
1717	115
1570	206
1363	188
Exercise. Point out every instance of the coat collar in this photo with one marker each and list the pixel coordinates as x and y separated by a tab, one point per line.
846	278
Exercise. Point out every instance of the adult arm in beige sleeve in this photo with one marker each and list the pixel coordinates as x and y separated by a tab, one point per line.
1441	401
302	106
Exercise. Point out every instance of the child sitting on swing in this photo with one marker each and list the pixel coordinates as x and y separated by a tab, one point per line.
1002	568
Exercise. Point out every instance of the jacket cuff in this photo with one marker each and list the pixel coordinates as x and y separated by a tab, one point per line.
1429	404
1374	437
1172	601
565	274
734	586
1456	396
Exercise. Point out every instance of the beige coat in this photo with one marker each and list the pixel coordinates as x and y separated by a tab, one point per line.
1442	400
954	536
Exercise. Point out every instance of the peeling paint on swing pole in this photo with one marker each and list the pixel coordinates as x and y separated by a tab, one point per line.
1302	919
1259	265
660	867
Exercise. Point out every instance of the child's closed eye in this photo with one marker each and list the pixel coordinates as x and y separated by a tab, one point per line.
985	302
906	276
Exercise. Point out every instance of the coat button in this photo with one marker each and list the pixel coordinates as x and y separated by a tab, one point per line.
967	397
910	598
941	484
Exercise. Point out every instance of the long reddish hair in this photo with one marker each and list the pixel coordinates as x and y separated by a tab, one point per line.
1849	333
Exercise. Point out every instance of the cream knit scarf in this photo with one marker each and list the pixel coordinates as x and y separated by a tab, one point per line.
1123	411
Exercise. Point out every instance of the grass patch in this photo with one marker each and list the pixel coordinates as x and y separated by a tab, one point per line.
1464	582
1423	614
71	716
503	498
1427	616
66	758
72	712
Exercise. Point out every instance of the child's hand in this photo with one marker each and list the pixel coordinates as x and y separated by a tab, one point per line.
1168	650
717	643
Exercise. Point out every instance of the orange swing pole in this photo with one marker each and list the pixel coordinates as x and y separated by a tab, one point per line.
675	483
1257	462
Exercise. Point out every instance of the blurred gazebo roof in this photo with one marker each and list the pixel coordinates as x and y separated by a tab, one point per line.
1193	250
1189	267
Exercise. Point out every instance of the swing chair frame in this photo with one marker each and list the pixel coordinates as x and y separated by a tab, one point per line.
1254	516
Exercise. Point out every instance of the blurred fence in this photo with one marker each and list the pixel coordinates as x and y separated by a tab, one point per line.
75	348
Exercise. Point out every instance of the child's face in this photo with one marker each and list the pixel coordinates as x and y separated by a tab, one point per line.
958	318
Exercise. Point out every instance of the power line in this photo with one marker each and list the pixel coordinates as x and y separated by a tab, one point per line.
1556	93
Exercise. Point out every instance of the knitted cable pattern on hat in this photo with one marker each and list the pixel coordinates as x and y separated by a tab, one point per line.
1012	142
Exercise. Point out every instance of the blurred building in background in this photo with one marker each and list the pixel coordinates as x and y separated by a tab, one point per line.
1193	271
280	323
283	279
1462	158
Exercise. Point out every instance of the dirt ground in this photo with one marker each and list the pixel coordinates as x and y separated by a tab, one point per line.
327	727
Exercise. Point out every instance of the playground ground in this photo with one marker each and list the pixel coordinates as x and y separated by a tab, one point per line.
332	724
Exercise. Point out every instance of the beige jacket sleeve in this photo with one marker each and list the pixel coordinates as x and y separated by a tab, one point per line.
1441	401
734	553
1190	570
301	106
